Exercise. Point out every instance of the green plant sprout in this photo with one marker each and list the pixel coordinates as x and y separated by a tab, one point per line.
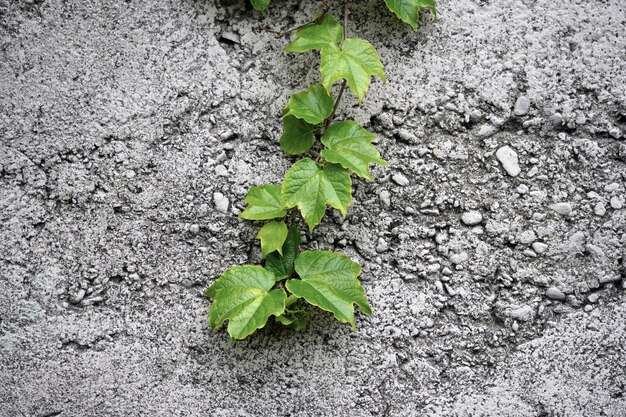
246	296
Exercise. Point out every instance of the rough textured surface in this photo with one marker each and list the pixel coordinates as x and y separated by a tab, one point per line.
131	131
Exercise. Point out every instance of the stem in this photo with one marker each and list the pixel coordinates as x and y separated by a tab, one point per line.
332	115
325	9
346	15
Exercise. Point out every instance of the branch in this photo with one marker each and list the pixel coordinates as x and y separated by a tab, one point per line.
317	21
346	15
332	115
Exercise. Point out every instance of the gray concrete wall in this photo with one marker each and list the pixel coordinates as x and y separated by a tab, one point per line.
492	246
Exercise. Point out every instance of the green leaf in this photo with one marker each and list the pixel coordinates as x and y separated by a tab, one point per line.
297	136
263	203
295	315
311	187
350	145
313	105
242	296
272	236
282	265
296	318
408	10
355	62
317	35
291	300
260	4
329	281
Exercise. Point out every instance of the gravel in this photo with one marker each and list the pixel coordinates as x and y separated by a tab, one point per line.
385	198
521	313
221	202
471	218
522	105
459	258
400	179
382	245
563	209
509	161
555	294
540	247
617	203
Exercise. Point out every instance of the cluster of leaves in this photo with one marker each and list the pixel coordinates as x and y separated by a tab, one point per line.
246	296
406	10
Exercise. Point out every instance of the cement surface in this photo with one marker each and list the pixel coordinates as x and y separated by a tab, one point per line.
493	246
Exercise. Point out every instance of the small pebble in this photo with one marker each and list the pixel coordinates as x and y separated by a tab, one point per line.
475	115
441	237
194	229
617	202
527	237
599	209
573	301
539	247
609	277
593	297
93	300
449	289
382	245
400	179
407	137
515	326
562	208
221	171
459	258
385	198
556	119
521	313
522	105
509	161
78	297
221	202
595	251
471	218
229	134
522	189
555	294
486	130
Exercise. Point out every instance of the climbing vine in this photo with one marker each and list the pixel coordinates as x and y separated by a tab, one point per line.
333	151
